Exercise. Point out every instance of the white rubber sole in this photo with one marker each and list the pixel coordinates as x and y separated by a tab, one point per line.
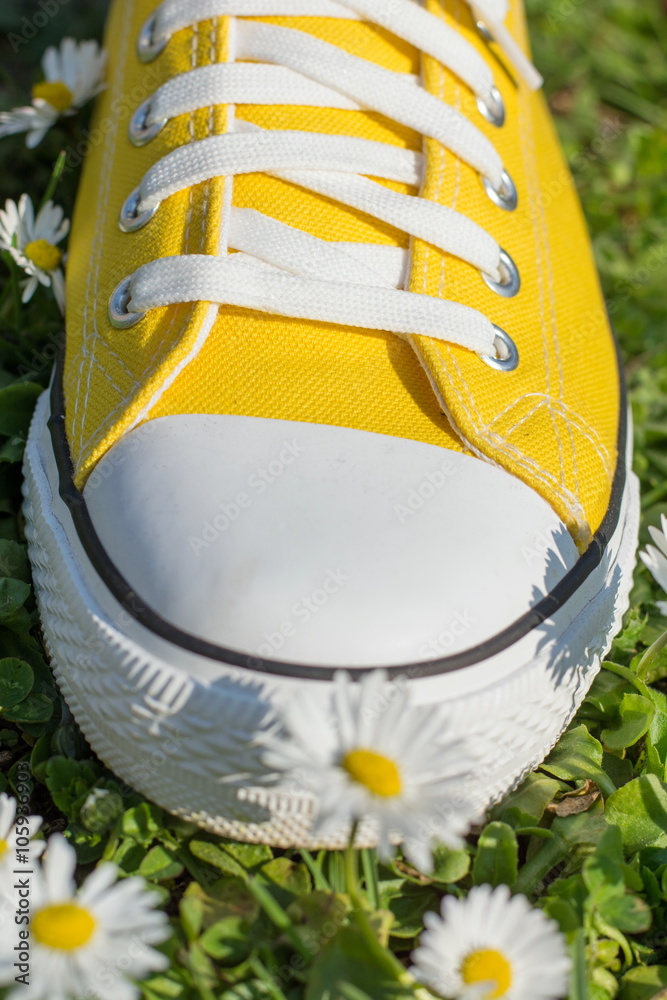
180	728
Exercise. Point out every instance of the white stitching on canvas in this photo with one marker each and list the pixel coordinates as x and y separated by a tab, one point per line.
564	408
526	137
102	208
562	411
469	405
126	401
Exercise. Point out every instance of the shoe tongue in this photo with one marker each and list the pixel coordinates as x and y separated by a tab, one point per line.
303	209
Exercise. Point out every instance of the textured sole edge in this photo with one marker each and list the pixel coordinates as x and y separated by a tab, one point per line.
167	733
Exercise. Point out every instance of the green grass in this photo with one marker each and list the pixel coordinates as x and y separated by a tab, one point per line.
238	910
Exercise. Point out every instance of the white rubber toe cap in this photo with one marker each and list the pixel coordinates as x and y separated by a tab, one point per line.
322	545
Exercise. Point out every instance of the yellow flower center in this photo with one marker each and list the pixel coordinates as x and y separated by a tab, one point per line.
65	926
379	774
4	847
488	965
45	255
58	94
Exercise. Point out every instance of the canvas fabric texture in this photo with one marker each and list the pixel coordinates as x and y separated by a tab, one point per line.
552	422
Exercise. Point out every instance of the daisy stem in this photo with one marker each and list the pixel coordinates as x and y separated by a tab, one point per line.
265	976
54	180
369	865
315	870
383	956
629	675
651	654
14	284
278	916
16	295
352	869
204	991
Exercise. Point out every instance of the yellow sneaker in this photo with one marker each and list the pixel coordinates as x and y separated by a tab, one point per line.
339	391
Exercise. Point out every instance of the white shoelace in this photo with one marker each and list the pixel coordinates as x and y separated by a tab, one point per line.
281	269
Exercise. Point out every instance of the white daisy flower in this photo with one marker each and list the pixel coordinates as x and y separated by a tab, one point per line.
72	75
36	119
32	243
8	834
655	559
368	754
492	946
86	942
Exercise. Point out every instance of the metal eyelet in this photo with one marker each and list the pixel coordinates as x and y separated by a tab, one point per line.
484	31
494	113
148	47
505	198
506	358
128	220
511	282
119	316
139	131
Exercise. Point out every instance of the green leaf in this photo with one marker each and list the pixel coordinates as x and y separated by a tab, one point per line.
636	714
576	756
16	680
321	912
164	986
603	878
605	693
408	902
69	782
347	961
496	860
629	913
14	560
640	810
228	897
67	741
643	983
448	865
12	450
290	878
142	823
212	854
129	855
248	855
40	755
572	839
13	595
160	864
251	989
191	911
531	797
16	405
563	913
35	708
633	627
227	941
619	769
656	744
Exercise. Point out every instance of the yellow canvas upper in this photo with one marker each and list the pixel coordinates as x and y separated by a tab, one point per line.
552	422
